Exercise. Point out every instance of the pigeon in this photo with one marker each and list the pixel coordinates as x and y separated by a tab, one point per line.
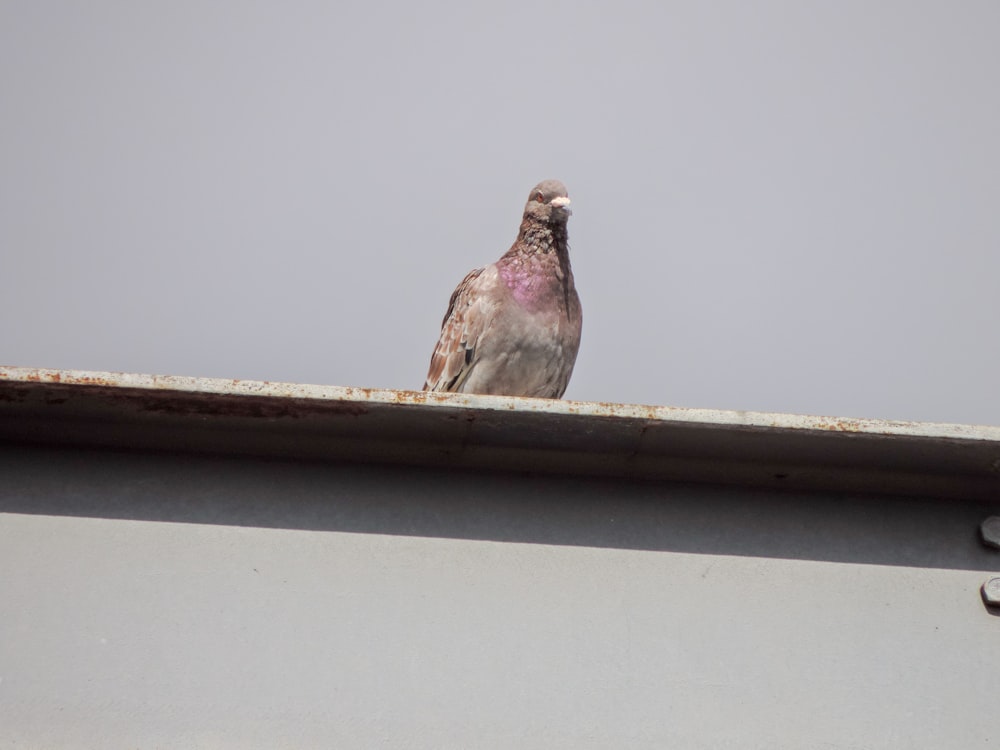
513	327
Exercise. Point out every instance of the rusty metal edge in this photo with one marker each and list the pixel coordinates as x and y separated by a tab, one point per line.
362	396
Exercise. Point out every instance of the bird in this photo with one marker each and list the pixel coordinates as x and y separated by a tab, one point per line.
513	327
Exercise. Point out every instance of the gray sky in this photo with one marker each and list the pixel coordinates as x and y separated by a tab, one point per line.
781	206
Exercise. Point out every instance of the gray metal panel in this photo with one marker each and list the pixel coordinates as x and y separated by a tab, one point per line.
181	599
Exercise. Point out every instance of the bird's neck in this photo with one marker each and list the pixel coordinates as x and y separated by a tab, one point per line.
541	238
537	270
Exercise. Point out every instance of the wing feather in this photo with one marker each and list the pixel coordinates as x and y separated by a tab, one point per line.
468	317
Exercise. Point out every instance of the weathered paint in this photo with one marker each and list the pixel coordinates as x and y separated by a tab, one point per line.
163	412
363	396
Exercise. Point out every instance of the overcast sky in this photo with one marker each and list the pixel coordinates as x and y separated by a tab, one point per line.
780	206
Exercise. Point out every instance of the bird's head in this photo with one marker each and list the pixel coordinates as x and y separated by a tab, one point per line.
548	203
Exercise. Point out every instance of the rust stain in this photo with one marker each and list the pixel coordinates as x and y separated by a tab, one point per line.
611	409
83	380
403	398
843	425
59	377
417	397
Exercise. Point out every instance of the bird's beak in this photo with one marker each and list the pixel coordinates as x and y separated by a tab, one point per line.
561	202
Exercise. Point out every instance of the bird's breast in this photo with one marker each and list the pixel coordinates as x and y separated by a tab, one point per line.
535	288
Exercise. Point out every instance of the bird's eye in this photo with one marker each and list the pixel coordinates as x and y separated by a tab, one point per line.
539	197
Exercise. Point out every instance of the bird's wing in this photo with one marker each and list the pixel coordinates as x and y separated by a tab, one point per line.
470	313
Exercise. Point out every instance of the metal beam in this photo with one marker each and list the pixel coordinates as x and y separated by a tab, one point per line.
332	423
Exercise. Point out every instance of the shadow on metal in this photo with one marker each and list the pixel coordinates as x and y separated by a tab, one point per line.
503	507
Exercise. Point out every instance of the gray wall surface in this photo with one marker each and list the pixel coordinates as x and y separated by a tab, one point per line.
157	600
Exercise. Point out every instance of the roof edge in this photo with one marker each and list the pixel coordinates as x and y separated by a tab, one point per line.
348	394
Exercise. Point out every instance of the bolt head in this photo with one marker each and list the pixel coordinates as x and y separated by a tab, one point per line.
991	592
990	529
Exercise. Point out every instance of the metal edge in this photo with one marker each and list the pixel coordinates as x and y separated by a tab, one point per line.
360	396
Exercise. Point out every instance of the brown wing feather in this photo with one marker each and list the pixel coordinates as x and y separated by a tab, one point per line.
463	324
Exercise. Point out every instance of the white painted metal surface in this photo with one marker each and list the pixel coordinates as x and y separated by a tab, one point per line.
368	396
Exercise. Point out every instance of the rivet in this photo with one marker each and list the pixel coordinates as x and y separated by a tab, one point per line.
991	592
990	529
